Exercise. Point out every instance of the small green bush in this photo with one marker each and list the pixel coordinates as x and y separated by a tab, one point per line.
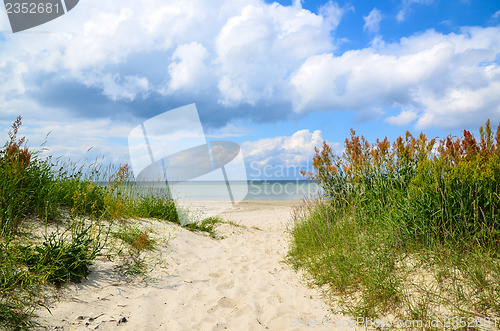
63	258
137	241
137	238
18	287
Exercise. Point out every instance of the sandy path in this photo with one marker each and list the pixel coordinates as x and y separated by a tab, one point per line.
237	283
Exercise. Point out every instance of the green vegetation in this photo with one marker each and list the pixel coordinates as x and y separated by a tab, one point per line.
61	258
137	238
56	219
408	229
136	241
209	224
206	225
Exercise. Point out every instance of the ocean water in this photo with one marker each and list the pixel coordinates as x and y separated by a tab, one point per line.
240	190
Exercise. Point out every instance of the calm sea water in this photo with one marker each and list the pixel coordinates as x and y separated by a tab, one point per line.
255	190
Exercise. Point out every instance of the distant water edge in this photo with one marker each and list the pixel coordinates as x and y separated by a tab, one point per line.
257	189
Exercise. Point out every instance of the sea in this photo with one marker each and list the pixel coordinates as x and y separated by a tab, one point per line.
242	190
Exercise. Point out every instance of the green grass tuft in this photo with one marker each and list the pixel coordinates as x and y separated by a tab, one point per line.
207	225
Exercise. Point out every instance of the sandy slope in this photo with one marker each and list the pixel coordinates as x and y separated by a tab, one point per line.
237	283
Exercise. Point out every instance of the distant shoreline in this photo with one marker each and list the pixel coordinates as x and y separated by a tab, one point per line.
217	190
217	182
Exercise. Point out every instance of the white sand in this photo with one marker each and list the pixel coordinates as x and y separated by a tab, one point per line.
237	283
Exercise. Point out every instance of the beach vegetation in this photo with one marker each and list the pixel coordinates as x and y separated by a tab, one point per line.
57	217
207	225
137	240
407	229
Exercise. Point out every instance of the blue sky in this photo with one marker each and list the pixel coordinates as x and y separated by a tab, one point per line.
276	77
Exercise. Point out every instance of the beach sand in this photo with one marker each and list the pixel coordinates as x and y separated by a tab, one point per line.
236	283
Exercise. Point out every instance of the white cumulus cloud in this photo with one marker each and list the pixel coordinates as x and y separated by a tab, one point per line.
285	150
188	69
237	52
449	79
244	59
257	49
404	118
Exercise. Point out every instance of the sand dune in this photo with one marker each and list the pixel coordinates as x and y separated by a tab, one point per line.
237	283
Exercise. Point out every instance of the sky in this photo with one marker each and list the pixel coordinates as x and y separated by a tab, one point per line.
278	78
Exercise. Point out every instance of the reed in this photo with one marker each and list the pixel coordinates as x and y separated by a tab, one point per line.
411	207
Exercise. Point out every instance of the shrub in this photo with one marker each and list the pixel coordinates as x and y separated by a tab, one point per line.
63	258
137	238
449	193
391	208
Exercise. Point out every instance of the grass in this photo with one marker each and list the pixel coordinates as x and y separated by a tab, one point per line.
206	225
82	211
408	229
136	240
63	256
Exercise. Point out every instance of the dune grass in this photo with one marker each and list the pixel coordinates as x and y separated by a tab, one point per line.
75	207
407	230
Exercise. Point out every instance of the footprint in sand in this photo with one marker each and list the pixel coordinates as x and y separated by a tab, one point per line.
226	286
224	302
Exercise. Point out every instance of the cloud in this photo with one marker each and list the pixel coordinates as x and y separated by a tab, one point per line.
4	23
283	157
406	8
332	13
496	15
297	3
285	150
404	118
450	79
260	47
230	130
118	87
188	69
238	60
372	21
227	54
400	17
